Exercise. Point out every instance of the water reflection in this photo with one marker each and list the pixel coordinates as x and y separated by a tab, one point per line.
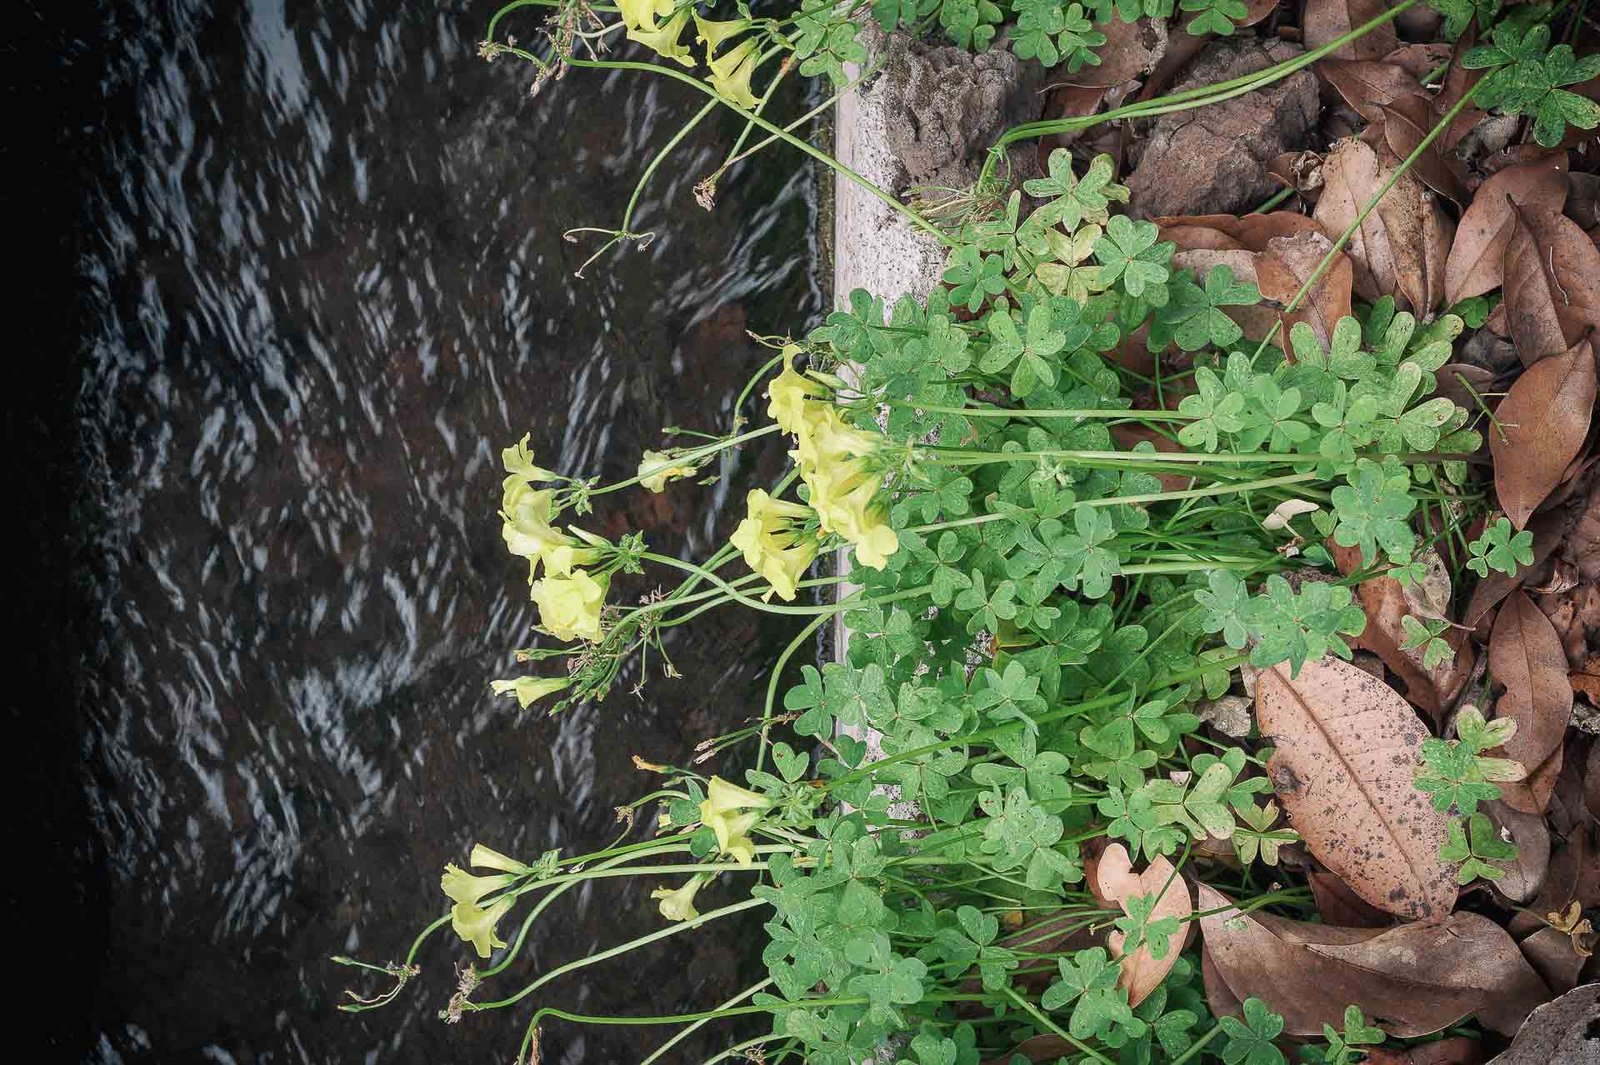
329	284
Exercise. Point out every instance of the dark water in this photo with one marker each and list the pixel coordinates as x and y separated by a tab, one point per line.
319	283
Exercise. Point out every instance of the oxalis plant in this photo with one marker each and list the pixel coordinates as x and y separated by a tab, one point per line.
1050	566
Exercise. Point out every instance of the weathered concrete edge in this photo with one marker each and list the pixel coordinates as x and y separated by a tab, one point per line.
874	248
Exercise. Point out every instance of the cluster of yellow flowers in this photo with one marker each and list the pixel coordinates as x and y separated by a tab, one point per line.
659	26
569	598
834	463
775	541
730	812
473	921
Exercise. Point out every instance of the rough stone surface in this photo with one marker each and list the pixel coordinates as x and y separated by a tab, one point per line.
1213	159
945	107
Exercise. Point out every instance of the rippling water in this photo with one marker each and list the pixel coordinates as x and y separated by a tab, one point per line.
325	283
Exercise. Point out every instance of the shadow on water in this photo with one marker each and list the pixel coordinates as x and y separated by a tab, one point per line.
324	283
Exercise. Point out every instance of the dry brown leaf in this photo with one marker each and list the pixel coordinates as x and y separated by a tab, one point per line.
1550	952
1347	750
1326	21
1400	248
1142	972
1552	283
1561	1032
1341	907
1583	545
1407	120
1532	793
1287	264
1419	60
1221	231
1300	171
1526	656
1457	1050
1524	874
1367	85
1573	877
1542	422
1477	258
1132	50
1411	980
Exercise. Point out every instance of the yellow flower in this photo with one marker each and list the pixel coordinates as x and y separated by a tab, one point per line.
656	468
730	75
845	491
772	544
463	887
876	544
720	811
569	607
663	40
488	858
529	690
475	924
528	533
642	13
519	462
678	905
789	394
713	34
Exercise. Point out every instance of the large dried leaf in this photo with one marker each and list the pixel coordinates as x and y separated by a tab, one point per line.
1543	421
1407	120
1562	1032
1347	751
1477	258
1367	85
1456	1050
1552	282
1326	21
1550	952
1142	971
1341	907
1401	246
1526	656
1287	264
1221	231
1411	980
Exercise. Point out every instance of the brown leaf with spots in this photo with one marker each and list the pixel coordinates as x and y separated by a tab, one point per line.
1325	21
1477	258
1347	749
1542	422
1410	980
1526	656
1552	282
1286	265
1142	972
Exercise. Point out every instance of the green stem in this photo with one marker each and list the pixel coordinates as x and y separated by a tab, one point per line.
1039	1015
621	948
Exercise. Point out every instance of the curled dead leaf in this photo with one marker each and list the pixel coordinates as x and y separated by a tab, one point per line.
1347	748
1524	874
1285	266
1142	972
1541	424
1367	85
1407	121
1411	980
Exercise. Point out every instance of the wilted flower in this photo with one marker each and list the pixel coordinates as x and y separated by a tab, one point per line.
569	607
656	468
677	904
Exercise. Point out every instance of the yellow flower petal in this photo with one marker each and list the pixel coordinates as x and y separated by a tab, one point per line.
488	858
656	468
475	924
569	607
519	462
529	690
678	904
462	887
